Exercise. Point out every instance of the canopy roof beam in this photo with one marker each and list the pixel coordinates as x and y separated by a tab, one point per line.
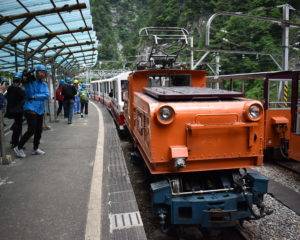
66	58
80	51
52	58
21	45
42	60
48	35
53	3
65	8
15	32
32	53
67	46
89	55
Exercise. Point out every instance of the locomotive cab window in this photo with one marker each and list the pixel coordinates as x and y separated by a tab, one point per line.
169	80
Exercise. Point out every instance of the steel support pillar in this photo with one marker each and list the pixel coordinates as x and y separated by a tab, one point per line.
53	76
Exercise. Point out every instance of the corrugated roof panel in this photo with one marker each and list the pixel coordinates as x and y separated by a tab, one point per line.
50	24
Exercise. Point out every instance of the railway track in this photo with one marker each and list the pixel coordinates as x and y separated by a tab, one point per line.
186	233
291	165
275	156
139	180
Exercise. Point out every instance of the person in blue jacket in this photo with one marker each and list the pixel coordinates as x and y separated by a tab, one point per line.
77	99
36	92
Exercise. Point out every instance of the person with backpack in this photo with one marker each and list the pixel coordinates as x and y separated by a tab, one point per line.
84	99
69	92
14	109
60	97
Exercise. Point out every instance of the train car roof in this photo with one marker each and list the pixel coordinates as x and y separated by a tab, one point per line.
189	93
124	74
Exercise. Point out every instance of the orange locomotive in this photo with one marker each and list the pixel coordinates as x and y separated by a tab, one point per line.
195	140
173	117
282	118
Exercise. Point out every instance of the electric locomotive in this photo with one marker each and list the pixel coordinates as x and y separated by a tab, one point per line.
196	142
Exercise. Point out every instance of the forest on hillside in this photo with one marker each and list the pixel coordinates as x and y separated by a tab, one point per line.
117	23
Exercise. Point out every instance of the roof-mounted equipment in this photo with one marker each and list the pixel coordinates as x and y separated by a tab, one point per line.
161	46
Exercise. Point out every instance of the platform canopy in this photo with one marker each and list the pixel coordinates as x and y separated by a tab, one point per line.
57	33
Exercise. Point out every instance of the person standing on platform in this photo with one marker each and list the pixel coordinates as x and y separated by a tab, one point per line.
15	101
84	99
5	82
69	92
36	92
3	88
60	97
77	99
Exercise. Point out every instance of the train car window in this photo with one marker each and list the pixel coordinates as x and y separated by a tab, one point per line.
124	84
106	87
169	80
115	95
101	87
124	87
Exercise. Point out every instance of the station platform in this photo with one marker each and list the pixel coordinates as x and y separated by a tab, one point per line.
79	189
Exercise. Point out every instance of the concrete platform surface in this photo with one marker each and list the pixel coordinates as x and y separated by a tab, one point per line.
48	196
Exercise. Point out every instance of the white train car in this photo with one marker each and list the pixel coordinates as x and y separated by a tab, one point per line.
101	90
120	83
110	93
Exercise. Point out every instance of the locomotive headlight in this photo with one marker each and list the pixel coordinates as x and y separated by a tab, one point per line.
254	112
165	115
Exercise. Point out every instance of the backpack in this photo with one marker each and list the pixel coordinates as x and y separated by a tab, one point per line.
68	91
83	96
59	95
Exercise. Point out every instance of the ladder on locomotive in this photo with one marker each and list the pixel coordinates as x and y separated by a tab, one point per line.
162	45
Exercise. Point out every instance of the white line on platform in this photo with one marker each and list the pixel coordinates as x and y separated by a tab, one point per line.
93	223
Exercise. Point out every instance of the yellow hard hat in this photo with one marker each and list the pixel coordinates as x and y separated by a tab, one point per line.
76	81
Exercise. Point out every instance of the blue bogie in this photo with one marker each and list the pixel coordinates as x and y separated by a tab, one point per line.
209	209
